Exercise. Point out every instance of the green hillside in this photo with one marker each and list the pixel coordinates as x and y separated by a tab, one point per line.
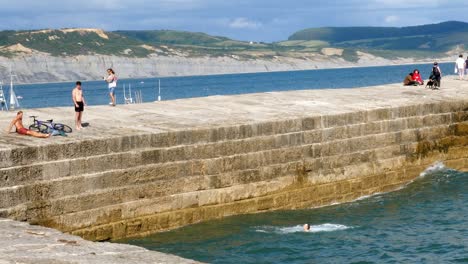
418	41
69	42
138	43
168	37
435	37
193	43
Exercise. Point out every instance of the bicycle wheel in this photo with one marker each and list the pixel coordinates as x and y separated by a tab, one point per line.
41	128
63	128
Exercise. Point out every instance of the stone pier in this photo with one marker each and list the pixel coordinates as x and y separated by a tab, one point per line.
26	244
140	169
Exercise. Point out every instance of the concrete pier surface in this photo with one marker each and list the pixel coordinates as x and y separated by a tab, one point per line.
26	244
139	169
216	111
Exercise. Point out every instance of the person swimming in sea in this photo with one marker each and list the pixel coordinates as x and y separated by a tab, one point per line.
306	228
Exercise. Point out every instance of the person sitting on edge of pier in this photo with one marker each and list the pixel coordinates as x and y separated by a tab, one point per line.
20	129
409	80
417	77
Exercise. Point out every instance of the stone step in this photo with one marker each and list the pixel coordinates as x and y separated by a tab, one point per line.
51	170
146	173
64	168
160	188
104	145
105	184
111	212
49	189
124	209
129	210
160	215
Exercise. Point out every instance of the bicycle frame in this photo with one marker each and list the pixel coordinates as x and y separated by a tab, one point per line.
37	123
50	124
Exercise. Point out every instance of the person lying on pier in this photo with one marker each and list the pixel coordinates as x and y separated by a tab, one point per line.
20	129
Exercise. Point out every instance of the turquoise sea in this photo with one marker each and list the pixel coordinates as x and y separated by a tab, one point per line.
96	92
424	222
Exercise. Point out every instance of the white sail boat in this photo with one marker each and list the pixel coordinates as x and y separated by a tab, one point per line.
14	104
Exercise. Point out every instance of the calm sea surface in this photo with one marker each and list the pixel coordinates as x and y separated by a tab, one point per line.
96	92
425	222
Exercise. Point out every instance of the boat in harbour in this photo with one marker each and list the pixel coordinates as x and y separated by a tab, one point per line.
14	103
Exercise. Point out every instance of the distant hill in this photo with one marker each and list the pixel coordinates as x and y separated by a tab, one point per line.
128	43
170	37
70	42
348	43
434	37
195	43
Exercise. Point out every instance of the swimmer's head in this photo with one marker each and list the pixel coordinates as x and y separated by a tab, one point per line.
306	227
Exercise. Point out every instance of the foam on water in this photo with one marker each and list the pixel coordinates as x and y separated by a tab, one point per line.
299	228
437	167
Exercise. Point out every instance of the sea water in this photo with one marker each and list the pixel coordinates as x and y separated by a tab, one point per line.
96	92
425	221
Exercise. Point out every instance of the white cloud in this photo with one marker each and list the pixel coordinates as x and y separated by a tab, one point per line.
392	19
244	23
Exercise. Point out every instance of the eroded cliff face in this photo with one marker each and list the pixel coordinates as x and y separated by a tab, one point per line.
36	67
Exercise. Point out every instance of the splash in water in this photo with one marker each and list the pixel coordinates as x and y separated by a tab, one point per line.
299	228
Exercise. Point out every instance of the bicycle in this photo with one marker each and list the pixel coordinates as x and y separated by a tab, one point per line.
46	126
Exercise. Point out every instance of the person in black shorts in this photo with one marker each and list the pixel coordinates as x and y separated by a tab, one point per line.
80	107
79	102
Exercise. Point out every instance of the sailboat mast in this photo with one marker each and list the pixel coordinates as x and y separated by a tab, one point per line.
159	90
13	100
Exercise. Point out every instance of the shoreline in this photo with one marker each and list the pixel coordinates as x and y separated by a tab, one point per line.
248	72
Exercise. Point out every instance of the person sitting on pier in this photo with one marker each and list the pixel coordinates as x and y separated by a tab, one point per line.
409	80
20	129
417	77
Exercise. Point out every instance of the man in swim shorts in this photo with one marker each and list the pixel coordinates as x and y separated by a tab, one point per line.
79	101
20	129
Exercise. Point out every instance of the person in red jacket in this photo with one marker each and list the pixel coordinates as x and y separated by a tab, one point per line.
417	77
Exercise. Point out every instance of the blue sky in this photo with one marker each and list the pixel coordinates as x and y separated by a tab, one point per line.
257	20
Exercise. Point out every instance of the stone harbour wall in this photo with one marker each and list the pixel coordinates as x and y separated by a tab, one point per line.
131	185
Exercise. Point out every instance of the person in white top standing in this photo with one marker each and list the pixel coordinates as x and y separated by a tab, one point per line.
111	79
460	67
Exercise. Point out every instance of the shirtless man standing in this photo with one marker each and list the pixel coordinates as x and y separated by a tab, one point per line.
79	101
20	129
